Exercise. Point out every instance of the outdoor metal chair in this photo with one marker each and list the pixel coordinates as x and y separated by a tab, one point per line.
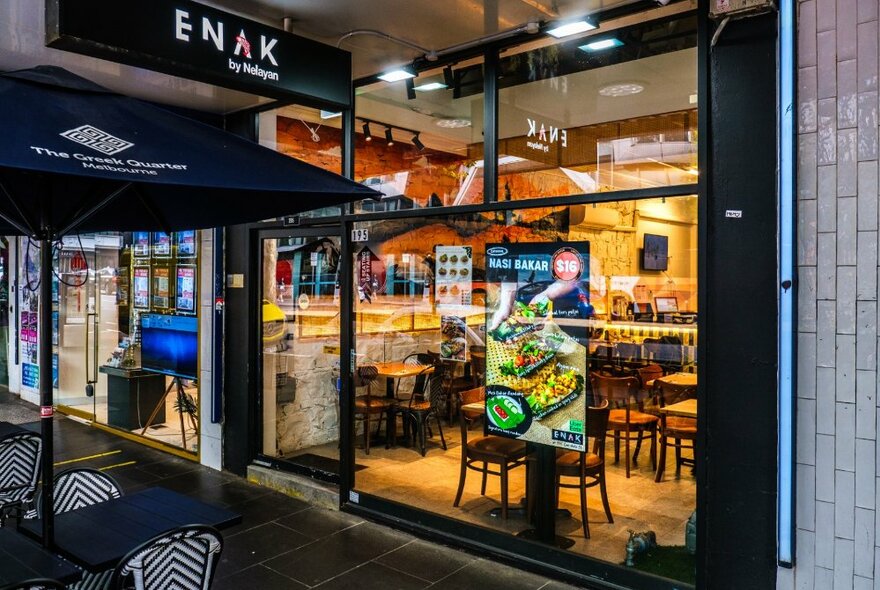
183	559
422	407
19	470
36	584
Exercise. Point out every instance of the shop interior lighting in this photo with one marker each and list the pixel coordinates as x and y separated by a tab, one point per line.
367	135
621	89
330	114
418	142
389	137
601	45
396	75
572	28
428	87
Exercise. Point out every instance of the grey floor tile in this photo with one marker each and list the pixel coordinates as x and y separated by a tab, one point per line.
373	576
426	560
257	545
487	575
318	523
256	577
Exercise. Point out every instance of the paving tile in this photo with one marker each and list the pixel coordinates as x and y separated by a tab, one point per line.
231	493
256	576
487	575
264	509
257	545
558	586
318	523
168	467
373	576
426	560
327	558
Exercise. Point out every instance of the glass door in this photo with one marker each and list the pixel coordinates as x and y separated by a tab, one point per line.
299	328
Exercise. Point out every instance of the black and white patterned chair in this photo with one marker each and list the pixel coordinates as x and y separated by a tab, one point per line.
19	470
78	488
36	584
182	559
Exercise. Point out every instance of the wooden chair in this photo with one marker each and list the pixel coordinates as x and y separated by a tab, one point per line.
367	406
506	453
588	467
622	393
648	374
674	428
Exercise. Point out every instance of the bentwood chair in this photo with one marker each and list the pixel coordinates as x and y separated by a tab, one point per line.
675	430
19	470
625	420
421	408
648	374
588	467
505	453
183	559
36	584
369	405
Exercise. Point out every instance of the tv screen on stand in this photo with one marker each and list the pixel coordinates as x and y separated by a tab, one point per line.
170	344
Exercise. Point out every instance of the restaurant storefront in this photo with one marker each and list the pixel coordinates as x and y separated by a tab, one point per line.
386	343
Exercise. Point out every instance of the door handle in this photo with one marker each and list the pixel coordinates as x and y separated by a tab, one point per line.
91	353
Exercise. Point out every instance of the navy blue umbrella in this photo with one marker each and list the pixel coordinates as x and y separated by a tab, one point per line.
76	157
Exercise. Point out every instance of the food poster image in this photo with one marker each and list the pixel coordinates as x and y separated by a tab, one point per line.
140	244
161	287
536	356
453	343
141	283
453	276
186	289
186	244
161	245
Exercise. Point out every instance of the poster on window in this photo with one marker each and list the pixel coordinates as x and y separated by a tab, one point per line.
453	338
161	245
141	285
453	276
161	287
536	360
371	275
186	289
186	244
140	247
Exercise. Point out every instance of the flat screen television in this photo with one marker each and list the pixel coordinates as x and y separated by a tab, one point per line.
655	253
170	344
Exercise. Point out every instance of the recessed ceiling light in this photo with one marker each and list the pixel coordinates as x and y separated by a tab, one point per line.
430	86
621	89
572	28
330	115
396	75
600	45
453	123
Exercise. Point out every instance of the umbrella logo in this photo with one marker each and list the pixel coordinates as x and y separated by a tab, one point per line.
96	139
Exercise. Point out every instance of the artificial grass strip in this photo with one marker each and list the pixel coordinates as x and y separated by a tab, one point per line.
673	561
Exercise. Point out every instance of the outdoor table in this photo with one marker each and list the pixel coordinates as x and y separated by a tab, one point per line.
23	559
8	429
398	370
97	537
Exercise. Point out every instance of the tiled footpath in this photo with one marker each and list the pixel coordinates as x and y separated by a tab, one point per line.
286	543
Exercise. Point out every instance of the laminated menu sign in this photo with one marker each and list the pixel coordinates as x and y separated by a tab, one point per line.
536	371
141	285
161	287
453	276
161	245
453	344
186	288
186	244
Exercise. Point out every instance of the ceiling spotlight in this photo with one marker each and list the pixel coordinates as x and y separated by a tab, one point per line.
396	75
621	89
367	135
418	142
431	86
600	45
388	137
571	28
410	89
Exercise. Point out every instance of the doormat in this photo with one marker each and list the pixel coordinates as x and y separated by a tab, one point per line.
320	463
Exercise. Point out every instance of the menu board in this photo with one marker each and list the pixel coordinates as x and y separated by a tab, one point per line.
141	287
161	287
140	247
186	244
453	343
161	245
453	276
186	288
536	372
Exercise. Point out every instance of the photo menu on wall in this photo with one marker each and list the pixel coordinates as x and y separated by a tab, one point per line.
141	287
453	276
186	288
186	243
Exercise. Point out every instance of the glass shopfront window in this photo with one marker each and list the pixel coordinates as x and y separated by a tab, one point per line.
419	141
610	111
481	337
125	331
